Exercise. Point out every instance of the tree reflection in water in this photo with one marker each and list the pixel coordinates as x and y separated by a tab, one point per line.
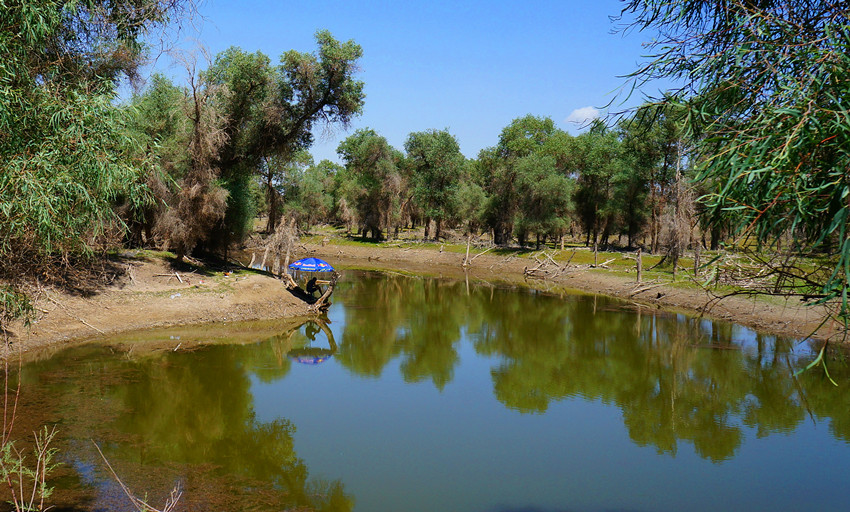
187	417
675	378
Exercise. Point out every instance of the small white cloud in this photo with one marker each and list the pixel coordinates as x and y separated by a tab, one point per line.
583	116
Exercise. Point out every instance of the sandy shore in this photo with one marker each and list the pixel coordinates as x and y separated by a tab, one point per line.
150	295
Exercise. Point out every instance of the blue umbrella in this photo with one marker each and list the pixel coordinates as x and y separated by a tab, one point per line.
311	265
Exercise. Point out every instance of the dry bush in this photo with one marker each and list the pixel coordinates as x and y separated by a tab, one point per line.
281	243
200	203
198	209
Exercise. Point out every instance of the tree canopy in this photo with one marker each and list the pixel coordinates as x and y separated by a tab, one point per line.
249	120
373	165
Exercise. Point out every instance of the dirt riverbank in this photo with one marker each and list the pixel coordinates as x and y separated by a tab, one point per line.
153	293
150	295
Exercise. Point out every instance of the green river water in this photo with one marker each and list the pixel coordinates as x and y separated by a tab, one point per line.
434	395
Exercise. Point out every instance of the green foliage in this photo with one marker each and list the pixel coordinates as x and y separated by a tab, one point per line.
472	203
244	122
596	159
242	194
28	479
58	187
159	124
346	190
272	110
316	191
437	164
544	197
766	88
67	153
13	305
498	167
525	135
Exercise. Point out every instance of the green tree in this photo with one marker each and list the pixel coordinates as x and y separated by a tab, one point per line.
345	194
159	126
765	87
251	120
282	176
316	192
652	144
633	184
596	160
471	200
272	111
498	167
374	164
437	164
544	197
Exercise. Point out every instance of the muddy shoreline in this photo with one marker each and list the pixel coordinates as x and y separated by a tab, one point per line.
151	295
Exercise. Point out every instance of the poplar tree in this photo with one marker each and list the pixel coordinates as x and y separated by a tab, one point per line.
374	165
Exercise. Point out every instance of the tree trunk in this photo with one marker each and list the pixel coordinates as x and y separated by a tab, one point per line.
639	264
696	260
271	223
500	235
715	237
595	252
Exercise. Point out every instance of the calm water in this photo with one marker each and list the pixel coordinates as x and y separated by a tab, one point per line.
431	395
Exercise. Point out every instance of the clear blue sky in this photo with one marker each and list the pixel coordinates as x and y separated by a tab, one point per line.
470	67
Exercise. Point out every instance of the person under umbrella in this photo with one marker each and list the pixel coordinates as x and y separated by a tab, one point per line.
312	287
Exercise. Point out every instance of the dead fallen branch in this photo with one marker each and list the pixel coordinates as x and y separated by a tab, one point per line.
477	255
603	264
645	288
172	275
